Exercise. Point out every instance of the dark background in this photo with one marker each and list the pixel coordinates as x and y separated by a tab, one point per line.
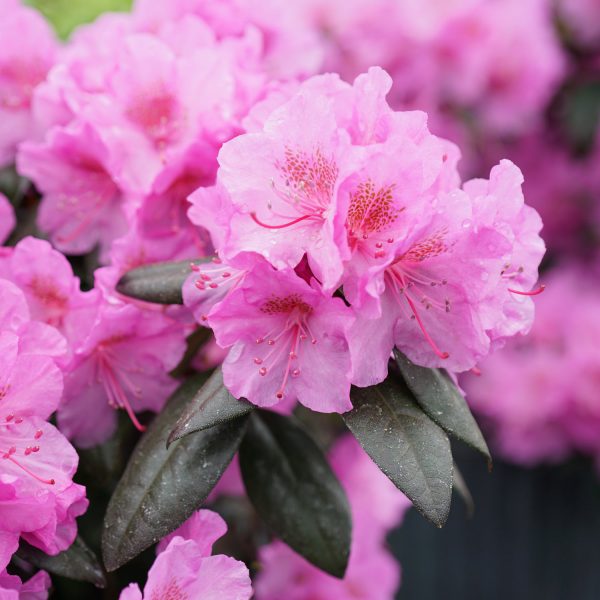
535	534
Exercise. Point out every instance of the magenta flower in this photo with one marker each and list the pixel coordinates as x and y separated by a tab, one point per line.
29	48
184	567
38	499
35	588
7	218
283	183
82	205
498	206
52	291
123	363
288	341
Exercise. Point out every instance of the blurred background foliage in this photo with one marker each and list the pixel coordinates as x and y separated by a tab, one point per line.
65	15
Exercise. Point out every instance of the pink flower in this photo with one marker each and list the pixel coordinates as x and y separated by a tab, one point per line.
7	218
163	213
184	567
210	283
372	572
582	17
52	291
29	48
38	499
36	588
283	184
532	411
288	341
123	363
82	205
498	206
289	47
503	60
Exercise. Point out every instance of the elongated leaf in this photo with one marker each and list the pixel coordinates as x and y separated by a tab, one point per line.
406	445
160	283
294	490
77	562
462	489
162	487
440	399
211	405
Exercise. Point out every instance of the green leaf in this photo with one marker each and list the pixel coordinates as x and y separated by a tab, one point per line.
462	489
406	445
441	400
162	487
77	562
160	282
293	488
210	406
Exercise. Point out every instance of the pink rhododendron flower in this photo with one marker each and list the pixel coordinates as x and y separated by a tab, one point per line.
38	499
582	18
533	411
82	204
370	200
501	59
53	293
290	48
29	48
123	363
35	588
184	567
283	184
7	218
287	339
499	206
372	573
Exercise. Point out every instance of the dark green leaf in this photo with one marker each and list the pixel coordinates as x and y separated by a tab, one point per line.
160	283
211	405
294	490
77	562
162	487
406	445
440	399
460	485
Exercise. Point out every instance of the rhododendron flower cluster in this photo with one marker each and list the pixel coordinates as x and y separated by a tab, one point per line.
334	191
312	185
377	506
536	413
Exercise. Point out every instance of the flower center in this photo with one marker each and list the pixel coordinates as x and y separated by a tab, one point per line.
18	455
308	184
406	280
287	340
116	380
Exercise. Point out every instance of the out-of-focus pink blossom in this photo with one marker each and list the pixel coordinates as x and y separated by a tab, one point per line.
582	18
29	49
536	396
53	293
82	204
372	573
184	567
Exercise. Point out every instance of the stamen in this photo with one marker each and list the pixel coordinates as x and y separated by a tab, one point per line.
442	355
9	456
532	293
282	226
